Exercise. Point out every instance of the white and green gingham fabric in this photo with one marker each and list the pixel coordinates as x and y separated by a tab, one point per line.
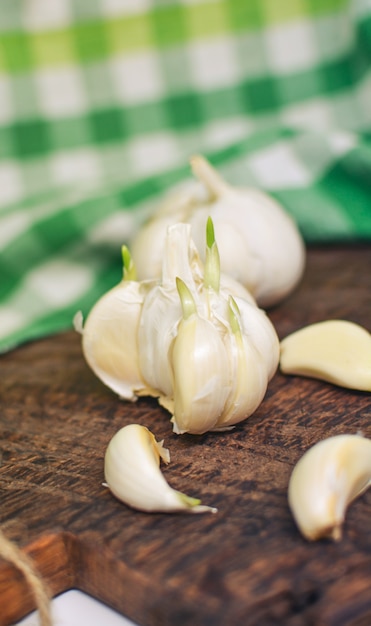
102	102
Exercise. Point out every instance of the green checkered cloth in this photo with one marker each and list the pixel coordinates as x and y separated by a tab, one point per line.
102	102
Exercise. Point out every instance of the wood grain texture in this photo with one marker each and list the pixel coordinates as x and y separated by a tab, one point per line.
245	565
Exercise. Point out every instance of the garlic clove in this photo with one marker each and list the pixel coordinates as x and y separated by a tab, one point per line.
249	375
200	369
325	480
257	325
157	329
109	339
109	335
336	351
132	473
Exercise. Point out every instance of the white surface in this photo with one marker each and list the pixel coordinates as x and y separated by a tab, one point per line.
74	608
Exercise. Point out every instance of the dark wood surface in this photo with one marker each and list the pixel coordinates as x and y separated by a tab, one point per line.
246	565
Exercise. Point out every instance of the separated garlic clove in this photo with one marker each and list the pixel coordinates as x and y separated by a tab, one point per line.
336	351
325	480
132	473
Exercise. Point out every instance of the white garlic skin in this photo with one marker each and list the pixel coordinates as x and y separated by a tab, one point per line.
325	480
259	243
133	475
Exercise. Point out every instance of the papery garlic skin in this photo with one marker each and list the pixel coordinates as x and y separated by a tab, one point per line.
325	480
133	475
259	243
336	351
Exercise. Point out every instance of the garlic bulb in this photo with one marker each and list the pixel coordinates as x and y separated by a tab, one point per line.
259	243
325	480
132	473
337	351
196	339
109	335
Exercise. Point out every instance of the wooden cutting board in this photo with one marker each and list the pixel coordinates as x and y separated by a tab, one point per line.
246	565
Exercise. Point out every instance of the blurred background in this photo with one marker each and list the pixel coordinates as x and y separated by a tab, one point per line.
102	103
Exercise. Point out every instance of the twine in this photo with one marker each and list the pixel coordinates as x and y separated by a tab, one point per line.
13	554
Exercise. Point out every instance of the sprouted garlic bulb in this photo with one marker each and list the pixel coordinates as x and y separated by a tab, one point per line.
195	340
132	473
259	243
